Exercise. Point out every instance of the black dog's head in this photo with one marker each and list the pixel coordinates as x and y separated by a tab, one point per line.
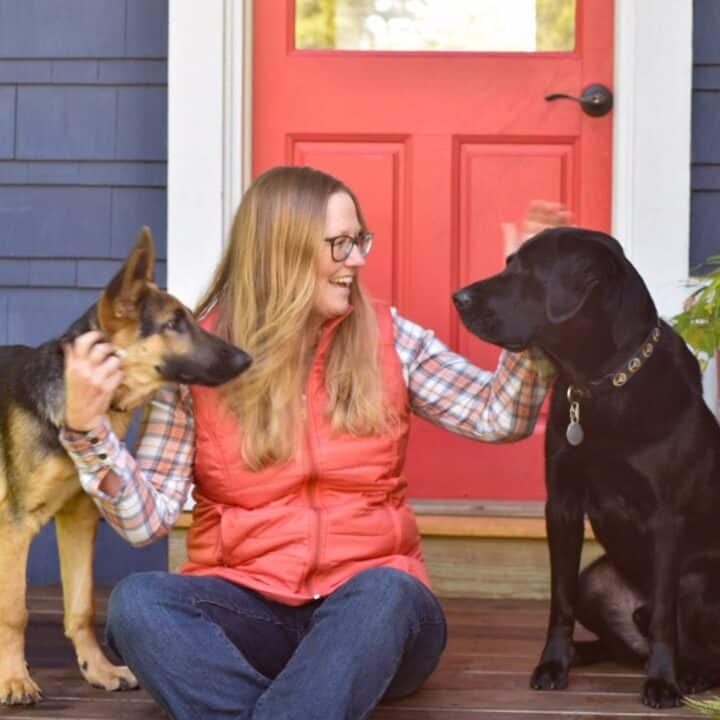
563	290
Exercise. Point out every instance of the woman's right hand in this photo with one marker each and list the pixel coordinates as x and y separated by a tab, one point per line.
540	215
92	374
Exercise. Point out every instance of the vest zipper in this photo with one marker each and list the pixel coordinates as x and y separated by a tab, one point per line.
312	483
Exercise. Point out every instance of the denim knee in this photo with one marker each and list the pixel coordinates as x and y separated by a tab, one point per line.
392	583
402	595
132	600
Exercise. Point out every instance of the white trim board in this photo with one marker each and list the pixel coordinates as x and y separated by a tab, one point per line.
652	128
208	135
210	146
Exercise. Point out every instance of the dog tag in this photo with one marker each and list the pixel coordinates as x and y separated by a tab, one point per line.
574	433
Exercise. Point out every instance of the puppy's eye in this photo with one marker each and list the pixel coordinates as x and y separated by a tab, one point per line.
177	323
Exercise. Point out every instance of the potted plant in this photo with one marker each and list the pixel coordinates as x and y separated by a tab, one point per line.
710	708
699	323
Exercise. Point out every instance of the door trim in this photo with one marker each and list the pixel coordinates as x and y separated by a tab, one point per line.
209	152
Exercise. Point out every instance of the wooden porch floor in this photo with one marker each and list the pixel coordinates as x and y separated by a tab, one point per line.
483	675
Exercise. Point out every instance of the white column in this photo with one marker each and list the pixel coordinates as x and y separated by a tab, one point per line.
652	127
208	152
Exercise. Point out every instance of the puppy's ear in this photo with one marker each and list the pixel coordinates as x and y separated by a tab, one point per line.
120	300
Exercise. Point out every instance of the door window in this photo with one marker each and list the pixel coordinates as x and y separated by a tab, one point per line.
436	25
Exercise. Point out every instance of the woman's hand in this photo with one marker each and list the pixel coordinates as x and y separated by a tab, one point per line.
92	374
541	215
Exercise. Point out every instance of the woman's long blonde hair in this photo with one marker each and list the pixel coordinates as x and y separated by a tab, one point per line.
263	292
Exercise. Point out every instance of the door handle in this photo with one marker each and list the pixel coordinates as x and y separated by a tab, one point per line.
596	100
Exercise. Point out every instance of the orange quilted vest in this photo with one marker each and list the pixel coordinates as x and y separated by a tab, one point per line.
296	531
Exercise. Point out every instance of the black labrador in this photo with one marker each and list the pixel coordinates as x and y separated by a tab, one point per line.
631	443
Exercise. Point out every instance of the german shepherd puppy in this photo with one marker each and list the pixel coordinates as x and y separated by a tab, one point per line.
160	343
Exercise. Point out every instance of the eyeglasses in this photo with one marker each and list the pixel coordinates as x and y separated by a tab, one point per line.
341	245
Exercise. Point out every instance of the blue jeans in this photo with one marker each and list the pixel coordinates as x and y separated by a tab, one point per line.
206	648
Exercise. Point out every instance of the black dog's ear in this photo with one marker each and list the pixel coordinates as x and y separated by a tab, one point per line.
586	260
571	283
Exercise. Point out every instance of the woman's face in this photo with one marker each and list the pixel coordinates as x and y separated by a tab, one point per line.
332	291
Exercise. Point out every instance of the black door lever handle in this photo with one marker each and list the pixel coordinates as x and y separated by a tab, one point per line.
596	100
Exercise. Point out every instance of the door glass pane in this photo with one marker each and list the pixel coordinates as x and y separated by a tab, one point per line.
427	25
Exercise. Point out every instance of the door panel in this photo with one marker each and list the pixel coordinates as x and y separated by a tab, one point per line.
441	148
376	173
533	170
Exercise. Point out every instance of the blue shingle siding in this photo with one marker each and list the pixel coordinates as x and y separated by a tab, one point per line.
66	122
91	122
61	221
146	28
63	28
8	97
3	319
83	142
131	208
100	174
83	150
141	124
36	314
705	196
97	273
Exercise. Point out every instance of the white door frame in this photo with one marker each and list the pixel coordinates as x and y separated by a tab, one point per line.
209	150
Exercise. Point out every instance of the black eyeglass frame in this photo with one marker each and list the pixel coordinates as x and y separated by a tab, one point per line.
363	241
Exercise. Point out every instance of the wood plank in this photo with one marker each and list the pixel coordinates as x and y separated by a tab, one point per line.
469	518
399	712
450	679
484	673
479	508
552	701
492	567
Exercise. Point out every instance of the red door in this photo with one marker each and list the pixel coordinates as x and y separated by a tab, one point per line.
441	148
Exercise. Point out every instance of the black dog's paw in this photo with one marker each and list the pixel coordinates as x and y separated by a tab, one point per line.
550	675
659	693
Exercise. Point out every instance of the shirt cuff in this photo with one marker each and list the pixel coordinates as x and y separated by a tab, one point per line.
543	365
93	451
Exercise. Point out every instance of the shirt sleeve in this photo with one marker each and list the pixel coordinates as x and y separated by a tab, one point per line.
155	483
450	391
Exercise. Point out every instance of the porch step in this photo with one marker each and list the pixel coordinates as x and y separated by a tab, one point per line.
473	548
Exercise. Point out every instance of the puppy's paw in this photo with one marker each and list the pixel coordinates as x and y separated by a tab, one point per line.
659	693
19	689
549	675
106	676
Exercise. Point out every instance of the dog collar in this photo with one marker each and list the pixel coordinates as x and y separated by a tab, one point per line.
641	356
619	378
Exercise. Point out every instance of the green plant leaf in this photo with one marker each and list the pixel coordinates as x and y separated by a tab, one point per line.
699	324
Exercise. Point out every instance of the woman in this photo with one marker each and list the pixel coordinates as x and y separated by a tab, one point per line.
305	595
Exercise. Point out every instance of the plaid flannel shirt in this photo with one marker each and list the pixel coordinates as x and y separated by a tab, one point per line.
443	387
